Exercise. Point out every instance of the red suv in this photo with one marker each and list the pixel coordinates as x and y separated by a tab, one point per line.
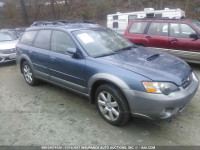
179	37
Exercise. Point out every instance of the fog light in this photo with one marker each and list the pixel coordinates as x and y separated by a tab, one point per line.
163	112
166	113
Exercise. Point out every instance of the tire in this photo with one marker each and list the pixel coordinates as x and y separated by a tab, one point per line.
112	105
28	74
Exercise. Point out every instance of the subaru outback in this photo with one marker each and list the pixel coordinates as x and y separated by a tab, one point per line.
122	79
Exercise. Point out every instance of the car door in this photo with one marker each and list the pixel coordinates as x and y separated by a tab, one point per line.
40	54
180	37
65	69
157	36
181	43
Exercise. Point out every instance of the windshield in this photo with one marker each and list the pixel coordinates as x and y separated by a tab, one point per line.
101	42
6	37
196	24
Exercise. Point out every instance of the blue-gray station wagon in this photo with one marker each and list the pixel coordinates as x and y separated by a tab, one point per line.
122	79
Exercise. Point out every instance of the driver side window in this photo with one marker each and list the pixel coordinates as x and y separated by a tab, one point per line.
187	31
61	41
181	30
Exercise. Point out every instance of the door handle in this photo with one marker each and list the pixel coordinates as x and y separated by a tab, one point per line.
174	40
148	37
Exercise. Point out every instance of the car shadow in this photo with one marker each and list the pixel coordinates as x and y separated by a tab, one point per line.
11	63
195	66
140	123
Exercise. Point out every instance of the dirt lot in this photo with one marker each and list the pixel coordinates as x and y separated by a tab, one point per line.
49	115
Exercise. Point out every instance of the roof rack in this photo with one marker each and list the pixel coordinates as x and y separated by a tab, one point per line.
60	22
76	21
153	18
44	23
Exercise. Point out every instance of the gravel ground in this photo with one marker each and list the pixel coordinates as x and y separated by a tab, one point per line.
49	115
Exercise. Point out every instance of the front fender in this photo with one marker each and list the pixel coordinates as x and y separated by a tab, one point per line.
107	77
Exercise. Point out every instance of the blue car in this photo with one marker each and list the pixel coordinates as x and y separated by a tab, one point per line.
122	79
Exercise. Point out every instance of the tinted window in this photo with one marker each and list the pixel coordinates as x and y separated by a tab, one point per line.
181	30
61	41
28	37
115	24
138	27
158	29
43	39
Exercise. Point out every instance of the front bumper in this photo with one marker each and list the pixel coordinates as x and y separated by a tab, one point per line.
7	57
160	106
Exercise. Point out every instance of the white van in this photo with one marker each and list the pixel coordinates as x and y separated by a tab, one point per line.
120	21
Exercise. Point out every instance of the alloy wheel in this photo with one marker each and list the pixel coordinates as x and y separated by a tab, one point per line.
28	74
108	106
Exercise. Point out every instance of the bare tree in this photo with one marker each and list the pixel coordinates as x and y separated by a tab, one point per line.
24	12
161	4
53	10
37	6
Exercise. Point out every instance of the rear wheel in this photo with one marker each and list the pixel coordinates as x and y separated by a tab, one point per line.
112	105
28	74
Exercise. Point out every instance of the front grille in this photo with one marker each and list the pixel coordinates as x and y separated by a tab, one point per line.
186	82
8	51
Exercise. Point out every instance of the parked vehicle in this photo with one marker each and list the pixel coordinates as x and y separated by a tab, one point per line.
20	31
178	37
121	78
11	31
119	21
7	47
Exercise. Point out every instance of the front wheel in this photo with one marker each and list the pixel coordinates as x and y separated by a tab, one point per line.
28	74
112	105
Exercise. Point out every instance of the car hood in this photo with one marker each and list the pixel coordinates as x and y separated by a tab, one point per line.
8	44
153	64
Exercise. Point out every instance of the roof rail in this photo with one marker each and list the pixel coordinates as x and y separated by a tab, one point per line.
60	22
76	21
153	18
44	23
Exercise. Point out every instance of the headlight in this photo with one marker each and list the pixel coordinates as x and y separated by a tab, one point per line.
160	87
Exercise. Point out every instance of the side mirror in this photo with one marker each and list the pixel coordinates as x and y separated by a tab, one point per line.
194	36
71	51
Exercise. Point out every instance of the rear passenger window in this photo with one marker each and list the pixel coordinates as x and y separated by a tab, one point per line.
61	41
43	39
160	29
28	37
138	27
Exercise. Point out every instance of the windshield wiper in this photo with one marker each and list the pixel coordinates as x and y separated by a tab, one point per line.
120	50
104	55
127	48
